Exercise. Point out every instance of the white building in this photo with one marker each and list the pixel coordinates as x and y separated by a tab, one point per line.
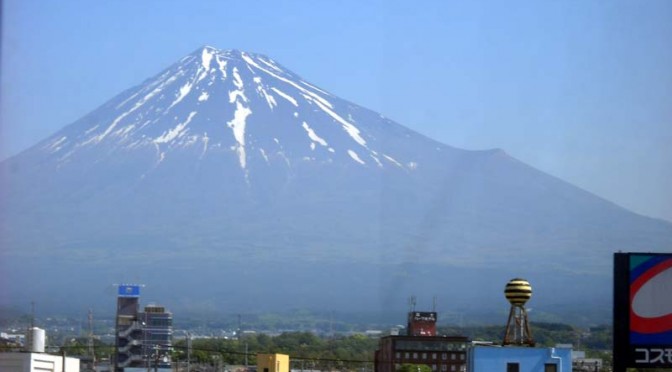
37	362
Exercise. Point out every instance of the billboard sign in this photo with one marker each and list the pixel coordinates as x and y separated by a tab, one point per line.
424	316
128	290
642	310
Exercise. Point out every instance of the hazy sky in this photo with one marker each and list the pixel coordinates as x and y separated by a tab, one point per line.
579	89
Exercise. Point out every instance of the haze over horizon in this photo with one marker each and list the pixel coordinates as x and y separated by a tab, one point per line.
580	90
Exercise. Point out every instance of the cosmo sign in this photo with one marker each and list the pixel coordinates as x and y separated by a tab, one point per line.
642	310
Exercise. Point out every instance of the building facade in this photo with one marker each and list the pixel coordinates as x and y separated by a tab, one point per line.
519	359
421	346
157	336
440	353
37	362
129	336
272	363
143	338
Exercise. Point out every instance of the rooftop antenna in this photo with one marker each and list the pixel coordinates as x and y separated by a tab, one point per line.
32	314
411	303
434	304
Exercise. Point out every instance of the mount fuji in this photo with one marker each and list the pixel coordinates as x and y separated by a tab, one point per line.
228	182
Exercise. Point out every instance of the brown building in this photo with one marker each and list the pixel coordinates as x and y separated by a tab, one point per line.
421	323
440	353
422	347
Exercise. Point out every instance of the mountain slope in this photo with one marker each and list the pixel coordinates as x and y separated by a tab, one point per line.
228	167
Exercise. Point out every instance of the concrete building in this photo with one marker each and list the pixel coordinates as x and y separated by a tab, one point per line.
37	362
157	329
272	363
440	353
421	346
128	343
143	339
518	359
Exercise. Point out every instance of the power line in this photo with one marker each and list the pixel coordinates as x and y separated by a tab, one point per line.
233	352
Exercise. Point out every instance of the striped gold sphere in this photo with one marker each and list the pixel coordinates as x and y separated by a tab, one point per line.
518	291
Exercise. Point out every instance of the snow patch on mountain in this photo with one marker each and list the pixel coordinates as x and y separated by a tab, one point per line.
262	92
355	157
56	145
351	129
285	96
237	125
237	81
250	61
222	66
184	90
206	58
178	131
393	161
314	137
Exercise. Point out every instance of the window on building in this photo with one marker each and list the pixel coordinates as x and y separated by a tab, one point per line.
406	355
548	367
424	355
444	356
397	355
415	355
434	356
452	356
444	367
433	367
512	367
453	368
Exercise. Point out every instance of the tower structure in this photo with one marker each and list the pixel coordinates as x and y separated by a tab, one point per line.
518	291
143	338
129	334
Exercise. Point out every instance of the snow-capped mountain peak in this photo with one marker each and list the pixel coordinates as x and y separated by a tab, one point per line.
217	102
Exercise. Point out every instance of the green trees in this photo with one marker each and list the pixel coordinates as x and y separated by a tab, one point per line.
305	349
414	368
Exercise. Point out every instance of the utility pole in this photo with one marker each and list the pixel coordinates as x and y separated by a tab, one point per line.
32	314
188	352
245	354
90	340
156	358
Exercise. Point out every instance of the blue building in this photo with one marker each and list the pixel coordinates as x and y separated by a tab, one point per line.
518	359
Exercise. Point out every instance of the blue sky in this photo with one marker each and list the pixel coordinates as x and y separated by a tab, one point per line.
579	89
